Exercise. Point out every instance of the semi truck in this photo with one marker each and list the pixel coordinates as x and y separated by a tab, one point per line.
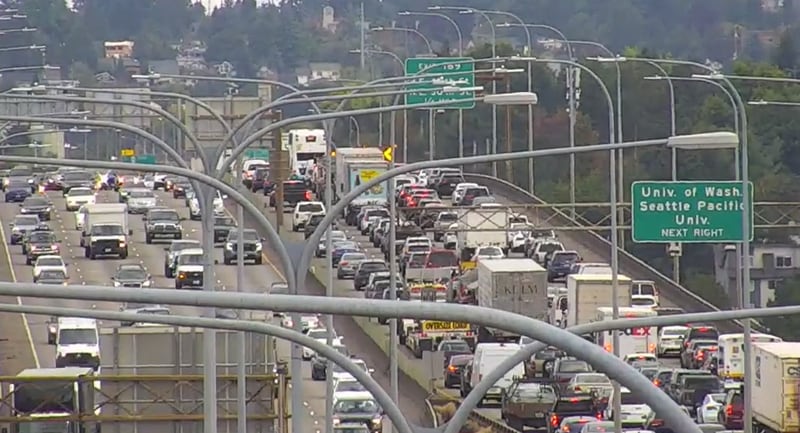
514	285
355	166
585	294
773	390
480	227
106	230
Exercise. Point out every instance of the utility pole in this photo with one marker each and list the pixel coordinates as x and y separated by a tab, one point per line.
363	39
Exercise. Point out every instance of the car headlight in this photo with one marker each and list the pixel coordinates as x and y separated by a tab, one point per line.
181	275
147	283
336	421
117	284
258	247
122	243
30	180
229	246
377	421
52	328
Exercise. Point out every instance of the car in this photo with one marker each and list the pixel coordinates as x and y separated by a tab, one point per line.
670	340
357	407
76	178
140	200
319	363
581	406
347	384
560	265
179	189
162	223
136	308
708	411
39	243
312	224
340	248
37	205
689	354
303	211
321	335
365	268
575	423
21	225
131	275
339	374
644	301
594	383
452	370
171	252
336	235
79	196
488	253
564	369
223	224
52	276
48	263
634	412
348	264
188	268
251	243
632	358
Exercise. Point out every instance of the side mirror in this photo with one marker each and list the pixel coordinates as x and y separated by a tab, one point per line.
166	248
216	261
113	278
224	196
370	370
11	225
263	239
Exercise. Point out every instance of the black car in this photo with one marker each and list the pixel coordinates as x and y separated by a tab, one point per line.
17	190
75	178
294	191
312	224
251	243
365	268
40	243
131	275
571	405
319	363
452	369
261	181
162	223
223	224
39	206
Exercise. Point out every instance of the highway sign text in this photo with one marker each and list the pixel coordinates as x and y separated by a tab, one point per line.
706	211
456	72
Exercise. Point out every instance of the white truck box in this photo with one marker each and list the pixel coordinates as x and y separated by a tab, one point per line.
107	213
775	385
356	165
483	227
586	293
515	285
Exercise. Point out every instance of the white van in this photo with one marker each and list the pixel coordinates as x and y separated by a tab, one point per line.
730	353
487	357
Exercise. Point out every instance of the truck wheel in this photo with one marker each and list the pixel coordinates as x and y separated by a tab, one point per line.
294	228
178	286
148	239
28	261
92	255
259	260
123	255
227	261
168	272
417	353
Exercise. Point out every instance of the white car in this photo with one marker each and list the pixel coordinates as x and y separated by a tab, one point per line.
48	263
419	240
544	247
339	374
321	335
634	411
303	212
644	301
458	192
306	322
488	253
639	357
708	410
80	218
518	233
670	340
450	238
79	196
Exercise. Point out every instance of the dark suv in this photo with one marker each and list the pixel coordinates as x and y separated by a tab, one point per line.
732	413
251	243
162	223
571	405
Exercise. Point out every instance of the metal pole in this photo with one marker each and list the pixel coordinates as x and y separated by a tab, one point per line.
431	135
621	157
405	136
329	286
394	380
209	335
241	378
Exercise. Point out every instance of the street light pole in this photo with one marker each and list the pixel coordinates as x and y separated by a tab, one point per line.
406	30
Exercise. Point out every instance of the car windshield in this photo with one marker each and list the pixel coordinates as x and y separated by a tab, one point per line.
642	302
182	245
675	332
349	386
106	230
356	406
249	236
190	259
565	258
77	176
52	276
42	237
345	245
78	192
550	247
20	171
702	382
77	336
131	274
336	235
372	267
358	363
442	259
532	390
631	398
223	221
454	346
717	398
49	261
572	366
35	201
319	334
141	194
26	220
490	252
309	207
353	257
164	215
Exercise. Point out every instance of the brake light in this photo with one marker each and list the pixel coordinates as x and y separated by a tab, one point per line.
651	348
699	356
554	420
308	195
729	410
452	368
657	382
703	329
577	388
599	416
574	400
607	347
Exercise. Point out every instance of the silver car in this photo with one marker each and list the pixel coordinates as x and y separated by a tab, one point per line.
348	265
140	200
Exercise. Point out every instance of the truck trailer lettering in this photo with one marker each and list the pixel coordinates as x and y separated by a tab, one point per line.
445	326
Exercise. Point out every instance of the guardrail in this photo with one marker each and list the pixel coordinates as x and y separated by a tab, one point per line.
437	400
682	296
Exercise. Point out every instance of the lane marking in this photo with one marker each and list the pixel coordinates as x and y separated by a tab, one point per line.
25	324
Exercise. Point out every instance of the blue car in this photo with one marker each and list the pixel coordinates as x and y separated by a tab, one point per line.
560	265
337	254
17	192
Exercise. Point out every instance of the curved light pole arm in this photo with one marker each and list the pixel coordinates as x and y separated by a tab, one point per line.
407	30
27	133
150	107
347	364
197	177
445	17
613	366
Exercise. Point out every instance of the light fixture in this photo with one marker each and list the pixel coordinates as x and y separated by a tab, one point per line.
705	140
515	98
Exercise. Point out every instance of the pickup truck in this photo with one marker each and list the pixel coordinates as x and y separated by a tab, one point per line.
525	403
294	191
440	265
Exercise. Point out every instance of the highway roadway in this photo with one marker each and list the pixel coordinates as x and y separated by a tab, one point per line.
416	369
27	346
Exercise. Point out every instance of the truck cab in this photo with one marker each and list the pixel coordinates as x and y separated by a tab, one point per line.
106	239
189	269
77	342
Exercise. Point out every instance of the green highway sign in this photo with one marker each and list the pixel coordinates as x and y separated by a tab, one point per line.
459	73
689	212
257	153
145	159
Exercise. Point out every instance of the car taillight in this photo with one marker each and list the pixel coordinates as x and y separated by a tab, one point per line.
554	421
599	416
577	388
452	368
656	382
729	410
699	356
308	195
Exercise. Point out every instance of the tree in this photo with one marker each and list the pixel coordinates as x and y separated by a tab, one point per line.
785	56
786	294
